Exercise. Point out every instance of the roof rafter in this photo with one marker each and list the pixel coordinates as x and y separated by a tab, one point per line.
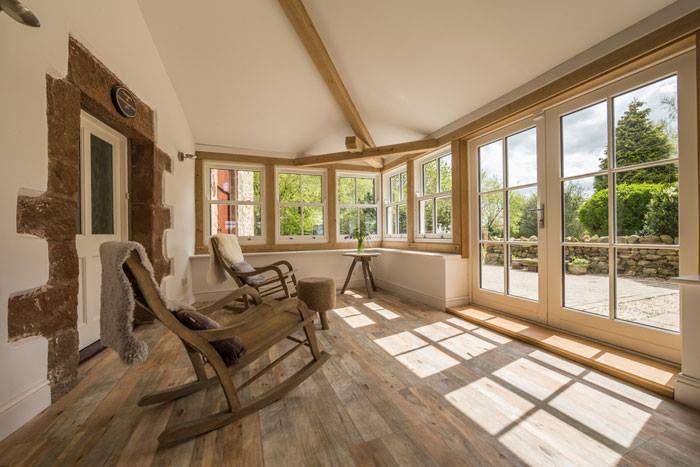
411	147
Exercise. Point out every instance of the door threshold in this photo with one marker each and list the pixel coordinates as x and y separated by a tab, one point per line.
645	372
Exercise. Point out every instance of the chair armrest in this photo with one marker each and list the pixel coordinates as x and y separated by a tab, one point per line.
232	297
283	263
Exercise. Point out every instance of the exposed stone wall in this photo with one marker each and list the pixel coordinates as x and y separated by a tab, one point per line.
51	310
637	262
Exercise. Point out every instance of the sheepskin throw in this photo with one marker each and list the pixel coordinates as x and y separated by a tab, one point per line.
230	252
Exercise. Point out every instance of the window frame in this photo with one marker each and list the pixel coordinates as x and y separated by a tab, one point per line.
287	239
207	202
420	196
340	238
387	202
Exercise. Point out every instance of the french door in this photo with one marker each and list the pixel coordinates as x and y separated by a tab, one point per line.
618	177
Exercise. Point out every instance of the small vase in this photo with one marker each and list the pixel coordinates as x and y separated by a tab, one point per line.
360	245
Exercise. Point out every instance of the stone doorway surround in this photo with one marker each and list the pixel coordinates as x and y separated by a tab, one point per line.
51	309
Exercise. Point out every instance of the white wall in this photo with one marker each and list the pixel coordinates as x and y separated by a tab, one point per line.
116	33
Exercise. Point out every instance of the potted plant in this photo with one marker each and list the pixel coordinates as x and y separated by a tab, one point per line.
578	266
360	235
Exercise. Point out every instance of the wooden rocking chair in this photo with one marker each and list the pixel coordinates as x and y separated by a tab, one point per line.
257	329
282	280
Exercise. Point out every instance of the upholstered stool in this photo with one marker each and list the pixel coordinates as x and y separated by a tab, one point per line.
319	295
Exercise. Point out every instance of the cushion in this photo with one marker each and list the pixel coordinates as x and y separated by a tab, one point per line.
250	280
229	248
230	350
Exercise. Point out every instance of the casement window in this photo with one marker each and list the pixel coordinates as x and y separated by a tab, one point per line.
395	196
357	200
434	196
233	195
301	205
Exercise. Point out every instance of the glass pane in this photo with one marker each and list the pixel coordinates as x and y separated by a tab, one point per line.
249	185
491	215
647	205
348	221
404	186
221	183
644	293
586	209
289	186
523	273
646	123
101	186
365	191
443	207
391	220
426	217
290	221
492	267
346	190
586	279
368	219
223	218
313	220
395	188
522	215
446	173
249	220
311	188
522	158
430	177
584	136
491	166
403	225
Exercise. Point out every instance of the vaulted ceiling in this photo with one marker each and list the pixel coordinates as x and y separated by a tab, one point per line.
411	66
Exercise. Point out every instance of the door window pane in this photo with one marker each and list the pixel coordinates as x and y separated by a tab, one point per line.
586	284
430	177
584	136
444	215
585	206
426	216
290	221
101	186
644	293
491	166
522	158
492	267
646	123
522	215
313	220
491	216
311	188
445	173
523	278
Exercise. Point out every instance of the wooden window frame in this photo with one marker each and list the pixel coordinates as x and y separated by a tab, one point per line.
288	239
340	238
420	196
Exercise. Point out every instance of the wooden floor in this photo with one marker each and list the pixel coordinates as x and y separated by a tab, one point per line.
406	385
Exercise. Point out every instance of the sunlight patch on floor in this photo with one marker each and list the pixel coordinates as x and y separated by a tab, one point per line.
462	324
353	294
358	321
381	311
400	343
557	362
427	361
531	378
492	336
618	387
438	331
467	346
346	311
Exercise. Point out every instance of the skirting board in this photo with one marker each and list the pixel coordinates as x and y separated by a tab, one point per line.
440	303
687	390
19	411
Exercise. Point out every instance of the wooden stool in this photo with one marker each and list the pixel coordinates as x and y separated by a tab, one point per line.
319	295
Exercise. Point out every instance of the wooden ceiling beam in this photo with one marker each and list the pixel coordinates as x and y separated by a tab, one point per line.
412	147
298	16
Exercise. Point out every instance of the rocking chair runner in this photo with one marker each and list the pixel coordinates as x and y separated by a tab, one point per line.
257	329
265	284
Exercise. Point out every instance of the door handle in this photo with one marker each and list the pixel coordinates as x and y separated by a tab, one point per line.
540	215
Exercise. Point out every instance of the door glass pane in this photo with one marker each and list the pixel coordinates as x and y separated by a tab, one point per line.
248	185
426	216
346	190
430	177
368	218
290	221
646	123
586	284
647	205
101	186
311	188
522	215
586	209
313	220
403	226
249	220
445	173
221	183
348	221
491	166
223	218
491	216
644	293
522	158
365	191
289	187
523	272
584	135
492	267
444	215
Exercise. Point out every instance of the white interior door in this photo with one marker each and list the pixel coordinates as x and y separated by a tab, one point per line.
103	212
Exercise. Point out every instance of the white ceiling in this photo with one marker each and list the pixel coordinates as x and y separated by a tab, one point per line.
411	66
